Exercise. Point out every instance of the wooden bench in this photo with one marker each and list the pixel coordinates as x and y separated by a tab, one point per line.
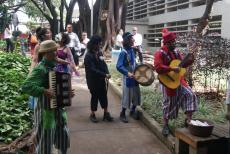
217	143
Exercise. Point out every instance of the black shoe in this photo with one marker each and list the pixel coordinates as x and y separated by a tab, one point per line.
93	118
107	117
123	118
165	130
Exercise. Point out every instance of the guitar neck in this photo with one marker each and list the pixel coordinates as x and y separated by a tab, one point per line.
185	60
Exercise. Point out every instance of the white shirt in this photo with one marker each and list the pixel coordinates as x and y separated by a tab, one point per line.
228	93
84	43
7	34
119	40
74	41
137	39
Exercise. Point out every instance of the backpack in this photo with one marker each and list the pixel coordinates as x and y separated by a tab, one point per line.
33	39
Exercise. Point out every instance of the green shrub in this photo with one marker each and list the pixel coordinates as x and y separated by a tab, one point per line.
15	116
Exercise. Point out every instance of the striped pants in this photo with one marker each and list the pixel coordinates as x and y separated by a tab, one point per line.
184	98
47	137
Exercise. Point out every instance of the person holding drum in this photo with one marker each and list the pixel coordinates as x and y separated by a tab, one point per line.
182	96
125	65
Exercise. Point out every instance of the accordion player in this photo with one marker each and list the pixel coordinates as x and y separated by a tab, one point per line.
60	84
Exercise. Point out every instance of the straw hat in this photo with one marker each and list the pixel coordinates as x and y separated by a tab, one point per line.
47	46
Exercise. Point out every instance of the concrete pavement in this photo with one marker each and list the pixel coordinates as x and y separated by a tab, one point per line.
104	137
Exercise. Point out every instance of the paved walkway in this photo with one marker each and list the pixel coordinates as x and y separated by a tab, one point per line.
103	137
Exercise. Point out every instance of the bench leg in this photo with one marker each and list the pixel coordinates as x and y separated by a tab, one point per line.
201	150
181	147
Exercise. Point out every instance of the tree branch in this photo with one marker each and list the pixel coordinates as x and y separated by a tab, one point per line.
51	7
65	4
206	17
70	11
40	9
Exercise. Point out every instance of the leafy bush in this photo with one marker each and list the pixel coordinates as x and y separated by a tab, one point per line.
15	117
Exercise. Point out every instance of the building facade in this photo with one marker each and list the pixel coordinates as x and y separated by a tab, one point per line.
180	16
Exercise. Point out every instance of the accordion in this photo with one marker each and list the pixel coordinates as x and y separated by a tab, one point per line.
60	84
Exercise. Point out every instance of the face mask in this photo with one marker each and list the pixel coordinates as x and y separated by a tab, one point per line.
171	47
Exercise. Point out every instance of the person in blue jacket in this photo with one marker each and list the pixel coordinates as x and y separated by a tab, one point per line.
125	65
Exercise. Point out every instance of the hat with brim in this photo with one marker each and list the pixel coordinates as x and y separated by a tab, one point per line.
48	46
126	36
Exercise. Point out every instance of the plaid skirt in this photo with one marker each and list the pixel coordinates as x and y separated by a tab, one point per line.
184	98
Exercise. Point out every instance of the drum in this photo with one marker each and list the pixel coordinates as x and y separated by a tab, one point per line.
144	74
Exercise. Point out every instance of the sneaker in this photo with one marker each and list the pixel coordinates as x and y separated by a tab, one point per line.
165	130
93	118
123	118
107	117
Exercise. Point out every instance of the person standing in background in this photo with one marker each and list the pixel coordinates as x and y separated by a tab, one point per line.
84	38
84	41
32	41
74	44
137	44
119	40
64	53
7	37
43	34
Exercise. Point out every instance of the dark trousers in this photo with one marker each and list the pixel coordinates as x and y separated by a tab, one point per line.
138	52
75	56
99	93
9	45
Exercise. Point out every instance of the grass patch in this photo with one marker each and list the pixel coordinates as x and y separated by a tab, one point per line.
116	76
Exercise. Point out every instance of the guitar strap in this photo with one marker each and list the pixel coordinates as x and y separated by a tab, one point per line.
128	58
168	57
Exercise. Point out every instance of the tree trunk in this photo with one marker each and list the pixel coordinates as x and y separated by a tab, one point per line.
54	27
109	16
96	17
69	13
84	19
61	16
199	32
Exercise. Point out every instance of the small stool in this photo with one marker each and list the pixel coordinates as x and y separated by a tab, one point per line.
186	143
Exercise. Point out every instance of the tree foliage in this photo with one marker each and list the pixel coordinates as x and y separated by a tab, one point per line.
212	63
7	8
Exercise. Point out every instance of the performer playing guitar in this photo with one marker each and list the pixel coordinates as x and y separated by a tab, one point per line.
175	96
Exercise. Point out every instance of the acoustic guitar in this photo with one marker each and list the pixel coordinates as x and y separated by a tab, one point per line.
172	79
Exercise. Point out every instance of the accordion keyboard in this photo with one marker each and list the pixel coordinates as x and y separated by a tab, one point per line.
60	84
